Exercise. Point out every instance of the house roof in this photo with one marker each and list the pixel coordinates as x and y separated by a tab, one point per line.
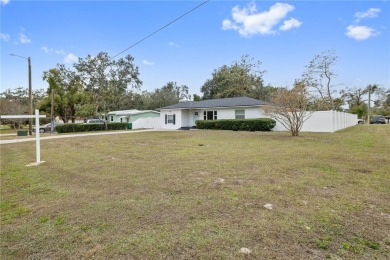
129	112
221	102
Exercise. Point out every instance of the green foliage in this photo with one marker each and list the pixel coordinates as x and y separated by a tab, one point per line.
105	80
169	94
68	93
72	128
360	110
117	126
197	97
323	242
69	128
259	124
242	78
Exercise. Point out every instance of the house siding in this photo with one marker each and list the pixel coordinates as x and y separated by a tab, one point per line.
132	118
186	117
143	115
178	119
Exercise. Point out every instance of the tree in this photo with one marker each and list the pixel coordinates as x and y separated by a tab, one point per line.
242	78
290	107
357	99
197	97
68	93
107	80
319	76
169	94
15	102
354	96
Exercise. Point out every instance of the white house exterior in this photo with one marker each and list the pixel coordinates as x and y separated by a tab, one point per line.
184	115
138	118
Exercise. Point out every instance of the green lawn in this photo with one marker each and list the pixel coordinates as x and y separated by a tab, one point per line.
160	195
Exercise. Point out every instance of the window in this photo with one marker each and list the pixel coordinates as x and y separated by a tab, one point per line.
112	118
240	114
210	115
170	119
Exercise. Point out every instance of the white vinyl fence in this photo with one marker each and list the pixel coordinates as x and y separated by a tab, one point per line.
325	121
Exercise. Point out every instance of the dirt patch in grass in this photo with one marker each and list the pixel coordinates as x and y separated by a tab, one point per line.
161	195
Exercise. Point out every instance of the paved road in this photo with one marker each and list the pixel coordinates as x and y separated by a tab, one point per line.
76	135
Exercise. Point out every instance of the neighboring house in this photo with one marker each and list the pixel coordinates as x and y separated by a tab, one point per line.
184	114
138	118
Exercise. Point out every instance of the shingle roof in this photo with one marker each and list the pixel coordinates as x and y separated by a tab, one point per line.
129	112
221	102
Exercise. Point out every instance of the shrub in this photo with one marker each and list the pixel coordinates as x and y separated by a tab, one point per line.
71	128
117	126
258	124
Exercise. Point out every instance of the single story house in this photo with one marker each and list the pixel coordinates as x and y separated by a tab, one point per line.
184	114
139	119
130	116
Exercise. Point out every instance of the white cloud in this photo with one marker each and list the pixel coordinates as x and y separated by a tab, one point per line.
51	50
70	58
370	13
4	2
24	38
248	21
289	24
360	33
60	52
46	50
147	62
172	44
4	37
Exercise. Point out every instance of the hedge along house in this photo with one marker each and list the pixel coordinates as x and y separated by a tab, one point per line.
134	116
183	115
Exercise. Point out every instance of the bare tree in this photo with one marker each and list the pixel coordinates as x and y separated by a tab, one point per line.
290	107
319	76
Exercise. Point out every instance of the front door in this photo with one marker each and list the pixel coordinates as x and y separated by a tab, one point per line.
195	117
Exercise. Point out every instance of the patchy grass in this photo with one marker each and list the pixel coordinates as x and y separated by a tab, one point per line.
160	195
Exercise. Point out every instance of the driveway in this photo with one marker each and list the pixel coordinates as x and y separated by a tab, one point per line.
77	135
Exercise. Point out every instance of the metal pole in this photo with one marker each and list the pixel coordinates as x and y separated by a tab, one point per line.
52	112
369	105
30	97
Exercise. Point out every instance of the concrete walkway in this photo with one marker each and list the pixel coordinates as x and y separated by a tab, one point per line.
31	139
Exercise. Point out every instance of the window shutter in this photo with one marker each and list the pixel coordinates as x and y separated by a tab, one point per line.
174	119
166	119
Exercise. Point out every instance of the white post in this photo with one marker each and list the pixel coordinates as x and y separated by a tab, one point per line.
37	134
37	137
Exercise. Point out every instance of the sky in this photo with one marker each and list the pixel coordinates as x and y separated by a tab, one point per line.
283	35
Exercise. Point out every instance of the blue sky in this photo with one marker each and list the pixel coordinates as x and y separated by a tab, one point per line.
283	35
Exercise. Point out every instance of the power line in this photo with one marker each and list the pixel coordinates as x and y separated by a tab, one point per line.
171	22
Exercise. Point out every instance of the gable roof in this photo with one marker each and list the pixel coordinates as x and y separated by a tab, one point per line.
130	112
221	102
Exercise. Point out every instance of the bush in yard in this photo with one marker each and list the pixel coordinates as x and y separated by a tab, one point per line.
71	128
117	126
258	124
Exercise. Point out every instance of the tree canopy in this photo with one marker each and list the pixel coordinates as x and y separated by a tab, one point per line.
242	78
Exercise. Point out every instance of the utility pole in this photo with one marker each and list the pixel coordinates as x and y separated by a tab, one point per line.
369	105
52	112
29	91
30	97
